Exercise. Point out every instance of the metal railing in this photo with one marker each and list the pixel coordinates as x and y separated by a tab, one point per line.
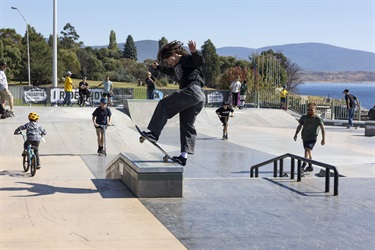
279	168
326	108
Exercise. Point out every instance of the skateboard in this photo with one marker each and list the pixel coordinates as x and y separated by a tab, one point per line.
143	138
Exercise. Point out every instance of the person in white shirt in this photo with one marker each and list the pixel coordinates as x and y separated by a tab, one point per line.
234	89
5	94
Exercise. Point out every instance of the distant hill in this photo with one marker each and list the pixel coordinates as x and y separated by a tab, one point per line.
313	56
146	49
309	56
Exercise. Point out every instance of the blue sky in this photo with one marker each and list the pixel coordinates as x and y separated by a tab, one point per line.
245	23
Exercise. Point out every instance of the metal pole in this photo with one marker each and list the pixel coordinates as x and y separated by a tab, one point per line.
54	53
28	45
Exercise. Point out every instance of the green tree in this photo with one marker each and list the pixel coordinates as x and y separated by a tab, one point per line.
232	74
69	39
226	62
211	69
102	53
40	58
91	67
111	64
112	41
113	48
269	69
10	51
130	50
163	41
67	60
133	70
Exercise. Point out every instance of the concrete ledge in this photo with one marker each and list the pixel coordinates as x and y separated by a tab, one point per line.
146	179
370	128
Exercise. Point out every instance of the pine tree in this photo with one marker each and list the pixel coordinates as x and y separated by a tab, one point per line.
163	41
211	69
112	41
69	39
130	50
113	49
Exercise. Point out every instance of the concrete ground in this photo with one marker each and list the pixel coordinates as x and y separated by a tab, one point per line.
69	204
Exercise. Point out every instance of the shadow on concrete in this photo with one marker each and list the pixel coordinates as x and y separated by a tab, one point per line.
15	173
42	189
110	189
286	187
106	188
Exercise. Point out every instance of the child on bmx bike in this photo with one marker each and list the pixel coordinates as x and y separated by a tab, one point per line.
34	133
84	92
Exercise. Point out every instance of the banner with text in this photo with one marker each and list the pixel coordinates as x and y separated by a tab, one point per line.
34	95
58	95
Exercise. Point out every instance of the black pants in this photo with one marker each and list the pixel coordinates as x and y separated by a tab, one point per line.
188	102
235	99
82	96
150	94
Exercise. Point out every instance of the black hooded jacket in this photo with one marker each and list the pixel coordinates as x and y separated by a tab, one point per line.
188	70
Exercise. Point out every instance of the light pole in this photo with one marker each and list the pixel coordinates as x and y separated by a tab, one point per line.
28	46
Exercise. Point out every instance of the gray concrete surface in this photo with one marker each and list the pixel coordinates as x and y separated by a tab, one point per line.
69	204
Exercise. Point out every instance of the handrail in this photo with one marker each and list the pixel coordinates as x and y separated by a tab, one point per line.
300	159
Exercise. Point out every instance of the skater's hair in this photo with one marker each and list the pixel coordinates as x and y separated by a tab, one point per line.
168	49
312	104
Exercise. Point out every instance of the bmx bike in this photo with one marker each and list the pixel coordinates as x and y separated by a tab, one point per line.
85	99
29	157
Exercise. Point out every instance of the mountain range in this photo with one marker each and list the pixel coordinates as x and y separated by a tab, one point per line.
309	56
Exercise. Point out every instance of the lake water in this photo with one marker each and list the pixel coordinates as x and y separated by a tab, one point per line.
365	92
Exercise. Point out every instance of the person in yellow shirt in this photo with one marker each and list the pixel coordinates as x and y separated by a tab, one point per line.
68	89
283	98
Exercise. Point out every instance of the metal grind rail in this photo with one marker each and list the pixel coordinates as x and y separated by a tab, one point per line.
279	168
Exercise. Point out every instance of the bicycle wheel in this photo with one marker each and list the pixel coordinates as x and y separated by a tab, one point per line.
91	101
33	165
26	163
80	101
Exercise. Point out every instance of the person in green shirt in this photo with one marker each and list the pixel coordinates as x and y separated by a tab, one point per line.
310	124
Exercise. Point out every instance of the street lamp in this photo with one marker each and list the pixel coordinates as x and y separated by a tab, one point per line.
28	46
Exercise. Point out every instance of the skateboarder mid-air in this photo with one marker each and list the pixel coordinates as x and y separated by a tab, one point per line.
224	113
188	101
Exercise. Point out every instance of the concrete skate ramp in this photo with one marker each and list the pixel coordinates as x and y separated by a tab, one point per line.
141	111
70	131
